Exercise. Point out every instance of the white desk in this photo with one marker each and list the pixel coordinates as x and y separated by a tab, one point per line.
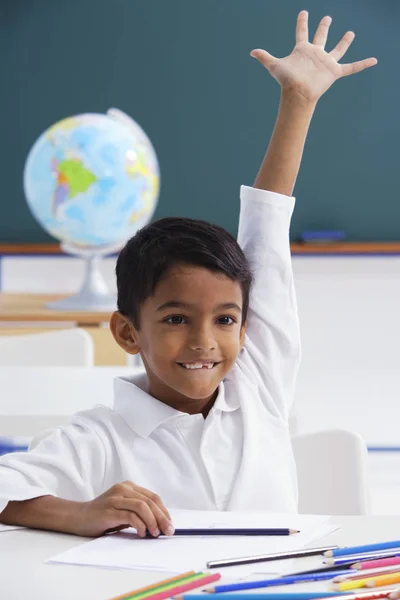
23	574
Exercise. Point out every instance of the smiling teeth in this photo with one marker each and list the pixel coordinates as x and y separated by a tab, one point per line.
198	365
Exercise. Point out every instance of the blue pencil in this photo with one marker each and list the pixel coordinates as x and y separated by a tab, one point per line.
353	558
271	596
249	585
366	548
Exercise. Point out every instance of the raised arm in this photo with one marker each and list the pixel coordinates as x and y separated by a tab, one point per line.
304	76
272	345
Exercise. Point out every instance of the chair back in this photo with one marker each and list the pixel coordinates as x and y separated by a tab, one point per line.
332	473
33	399
66	347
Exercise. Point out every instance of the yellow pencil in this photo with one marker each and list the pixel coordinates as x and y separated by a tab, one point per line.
367	582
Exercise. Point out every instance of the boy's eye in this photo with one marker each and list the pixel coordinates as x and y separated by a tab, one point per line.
175	320
226	320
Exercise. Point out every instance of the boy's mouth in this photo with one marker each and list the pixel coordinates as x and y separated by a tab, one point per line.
198	365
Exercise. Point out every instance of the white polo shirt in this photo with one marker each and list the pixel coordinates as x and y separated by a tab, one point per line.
240	456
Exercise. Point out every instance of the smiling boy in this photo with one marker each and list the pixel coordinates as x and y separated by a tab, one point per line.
215	322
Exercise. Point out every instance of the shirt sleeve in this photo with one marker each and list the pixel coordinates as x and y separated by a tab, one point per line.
69	464
271	353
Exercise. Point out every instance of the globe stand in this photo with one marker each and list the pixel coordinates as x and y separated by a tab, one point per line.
94	294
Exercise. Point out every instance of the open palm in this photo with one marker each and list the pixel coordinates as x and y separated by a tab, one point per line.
309	69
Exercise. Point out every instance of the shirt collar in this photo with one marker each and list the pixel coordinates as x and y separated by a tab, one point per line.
143	413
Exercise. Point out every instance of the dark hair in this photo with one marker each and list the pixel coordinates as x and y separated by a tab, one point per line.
149	254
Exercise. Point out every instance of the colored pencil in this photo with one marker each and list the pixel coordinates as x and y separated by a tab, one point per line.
357	557
154	586
169	586
334	569
231	531
362	549
380	562
285	580
248	560
368	595
382	580
183	587
266	596
367	582
351	574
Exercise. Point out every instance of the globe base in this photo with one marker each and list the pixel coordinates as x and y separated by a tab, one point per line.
86	302
93	295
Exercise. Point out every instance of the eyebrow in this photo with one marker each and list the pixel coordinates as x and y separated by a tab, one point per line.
177	304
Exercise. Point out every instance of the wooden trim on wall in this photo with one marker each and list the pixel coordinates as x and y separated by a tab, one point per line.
296	248
30	249
347	248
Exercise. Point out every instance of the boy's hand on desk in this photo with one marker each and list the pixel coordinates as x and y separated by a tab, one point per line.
124	505
309	70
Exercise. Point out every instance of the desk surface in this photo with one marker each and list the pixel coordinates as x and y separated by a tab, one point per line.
25	575
32	307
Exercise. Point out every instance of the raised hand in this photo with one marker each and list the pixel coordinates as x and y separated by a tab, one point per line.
309	70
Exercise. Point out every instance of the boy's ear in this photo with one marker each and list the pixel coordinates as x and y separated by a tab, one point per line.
242	334
124	333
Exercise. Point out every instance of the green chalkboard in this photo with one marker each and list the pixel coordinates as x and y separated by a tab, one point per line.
181	69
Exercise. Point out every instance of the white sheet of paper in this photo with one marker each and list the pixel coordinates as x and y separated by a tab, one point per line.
178	554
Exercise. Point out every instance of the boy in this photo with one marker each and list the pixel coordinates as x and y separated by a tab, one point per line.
207	426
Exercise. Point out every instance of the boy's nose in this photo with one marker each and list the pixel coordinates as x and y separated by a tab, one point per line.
202	340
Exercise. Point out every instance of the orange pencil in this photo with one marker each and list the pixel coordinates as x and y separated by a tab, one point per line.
154	586
384	580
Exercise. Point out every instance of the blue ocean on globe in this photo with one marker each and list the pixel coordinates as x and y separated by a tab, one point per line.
92	180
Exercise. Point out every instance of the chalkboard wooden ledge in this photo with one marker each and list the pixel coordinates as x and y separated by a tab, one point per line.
344	248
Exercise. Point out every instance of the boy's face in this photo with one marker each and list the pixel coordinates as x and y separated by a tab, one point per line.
189	338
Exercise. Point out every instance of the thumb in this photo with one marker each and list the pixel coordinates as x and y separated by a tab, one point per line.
264	57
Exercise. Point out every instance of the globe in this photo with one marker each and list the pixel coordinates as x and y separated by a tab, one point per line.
91	181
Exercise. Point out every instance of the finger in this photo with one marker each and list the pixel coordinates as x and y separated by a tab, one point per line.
121	519
341	47
302	27
264	57
156	499
321	35
140	508
164	523
356	67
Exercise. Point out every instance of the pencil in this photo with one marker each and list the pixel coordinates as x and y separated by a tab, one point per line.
380	562
231	531
169	586
351	574
154	586
286	580
357	557
365	548
183	587
267	596
367	582
334	569
384	580
247	560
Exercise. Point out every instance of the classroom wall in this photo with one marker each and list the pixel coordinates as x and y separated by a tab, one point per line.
349	316
182	69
